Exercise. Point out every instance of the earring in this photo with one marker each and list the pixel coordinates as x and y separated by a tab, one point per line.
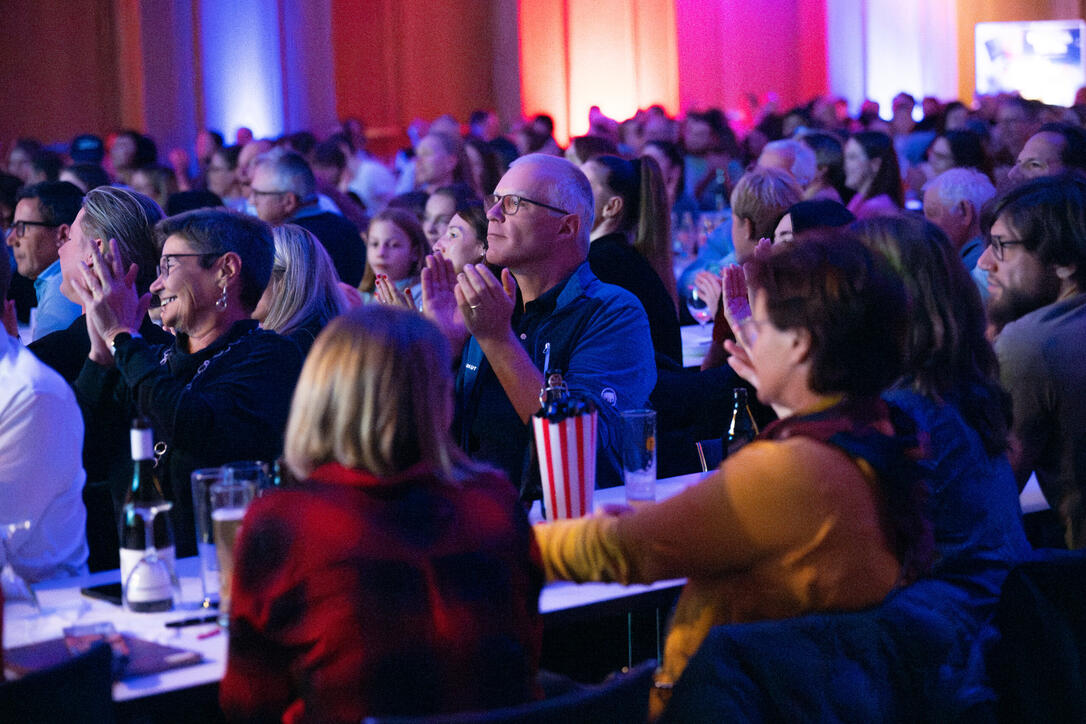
221	301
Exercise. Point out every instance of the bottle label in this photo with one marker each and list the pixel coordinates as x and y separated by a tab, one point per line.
130	557
143	443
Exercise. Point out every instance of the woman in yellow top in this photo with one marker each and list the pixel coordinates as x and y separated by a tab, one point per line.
822	512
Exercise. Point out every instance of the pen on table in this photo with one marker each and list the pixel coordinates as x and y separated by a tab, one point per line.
192	621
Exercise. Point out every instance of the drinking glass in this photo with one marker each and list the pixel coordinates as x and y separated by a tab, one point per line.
639	455
248	471
229	500
699	309
202	480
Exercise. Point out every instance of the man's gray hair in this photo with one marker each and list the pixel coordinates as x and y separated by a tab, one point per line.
804	163
962	184
568	189
292	173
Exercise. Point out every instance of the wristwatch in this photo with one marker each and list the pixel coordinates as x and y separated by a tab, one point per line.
120	336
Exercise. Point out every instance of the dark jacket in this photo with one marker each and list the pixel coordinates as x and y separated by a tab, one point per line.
224	403
615	261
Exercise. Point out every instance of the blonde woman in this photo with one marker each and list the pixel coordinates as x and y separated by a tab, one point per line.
303	293
399	578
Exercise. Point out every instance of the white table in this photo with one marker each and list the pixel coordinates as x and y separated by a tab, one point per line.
63	605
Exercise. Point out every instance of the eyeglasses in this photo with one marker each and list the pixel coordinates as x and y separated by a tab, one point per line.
19	227
510	203
258	192
164	267
997	245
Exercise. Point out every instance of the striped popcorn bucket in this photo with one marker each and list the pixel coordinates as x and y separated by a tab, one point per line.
567	464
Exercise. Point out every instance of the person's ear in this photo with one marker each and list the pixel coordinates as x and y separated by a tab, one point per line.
229	266
613	208
293	202
1066	272
800	350
876	164
62	234
570	226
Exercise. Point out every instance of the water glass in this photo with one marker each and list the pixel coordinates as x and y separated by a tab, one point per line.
639	455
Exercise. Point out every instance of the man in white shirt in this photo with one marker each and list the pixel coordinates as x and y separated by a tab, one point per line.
41	467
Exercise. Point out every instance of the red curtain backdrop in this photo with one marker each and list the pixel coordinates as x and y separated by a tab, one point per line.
730	50
59	68
616	54
396	60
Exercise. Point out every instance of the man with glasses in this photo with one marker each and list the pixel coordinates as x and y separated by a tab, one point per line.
1036	264
284	191
44	214
547	311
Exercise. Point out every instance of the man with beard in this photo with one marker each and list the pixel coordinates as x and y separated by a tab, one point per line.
1036	264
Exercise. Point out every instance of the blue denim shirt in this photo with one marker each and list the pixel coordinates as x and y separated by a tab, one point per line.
55	311
599	337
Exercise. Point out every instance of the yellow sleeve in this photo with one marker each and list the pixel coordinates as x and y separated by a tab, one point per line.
762	501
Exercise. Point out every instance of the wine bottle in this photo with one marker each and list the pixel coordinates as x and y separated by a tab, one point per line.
145	494
742	429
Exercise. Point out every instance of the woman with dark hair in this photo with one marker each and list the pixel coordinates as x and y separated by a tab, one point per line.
130	150
829	180
631	241
440	207
872	171
822	511
951	387
222	177
586	148
670	160
484	165
811	215
955	149
399	578
220	391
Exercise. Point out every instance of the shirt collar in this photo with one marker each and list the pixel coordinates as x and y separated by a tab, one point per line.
51	271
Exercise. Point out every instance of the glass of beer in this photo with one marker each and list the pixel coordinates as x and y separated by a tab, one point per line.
229	500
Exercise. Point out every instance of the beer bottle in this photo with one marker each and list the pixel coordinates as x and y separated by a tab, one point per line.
742	429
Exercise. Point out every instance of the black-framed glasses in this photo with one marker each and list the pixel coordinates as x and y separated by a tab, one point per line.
164	267
510	203
997	245
258	192
19	227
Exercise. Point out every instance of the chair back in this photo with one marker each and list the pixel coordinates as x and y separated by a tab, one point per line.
623	697
76	691
1039	665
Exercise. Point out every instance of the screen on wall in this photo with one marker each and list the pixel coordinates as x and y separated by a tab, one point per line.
1041	60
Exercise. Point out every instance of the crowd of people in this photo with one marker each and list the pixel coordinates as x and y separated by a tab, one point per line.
904	298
